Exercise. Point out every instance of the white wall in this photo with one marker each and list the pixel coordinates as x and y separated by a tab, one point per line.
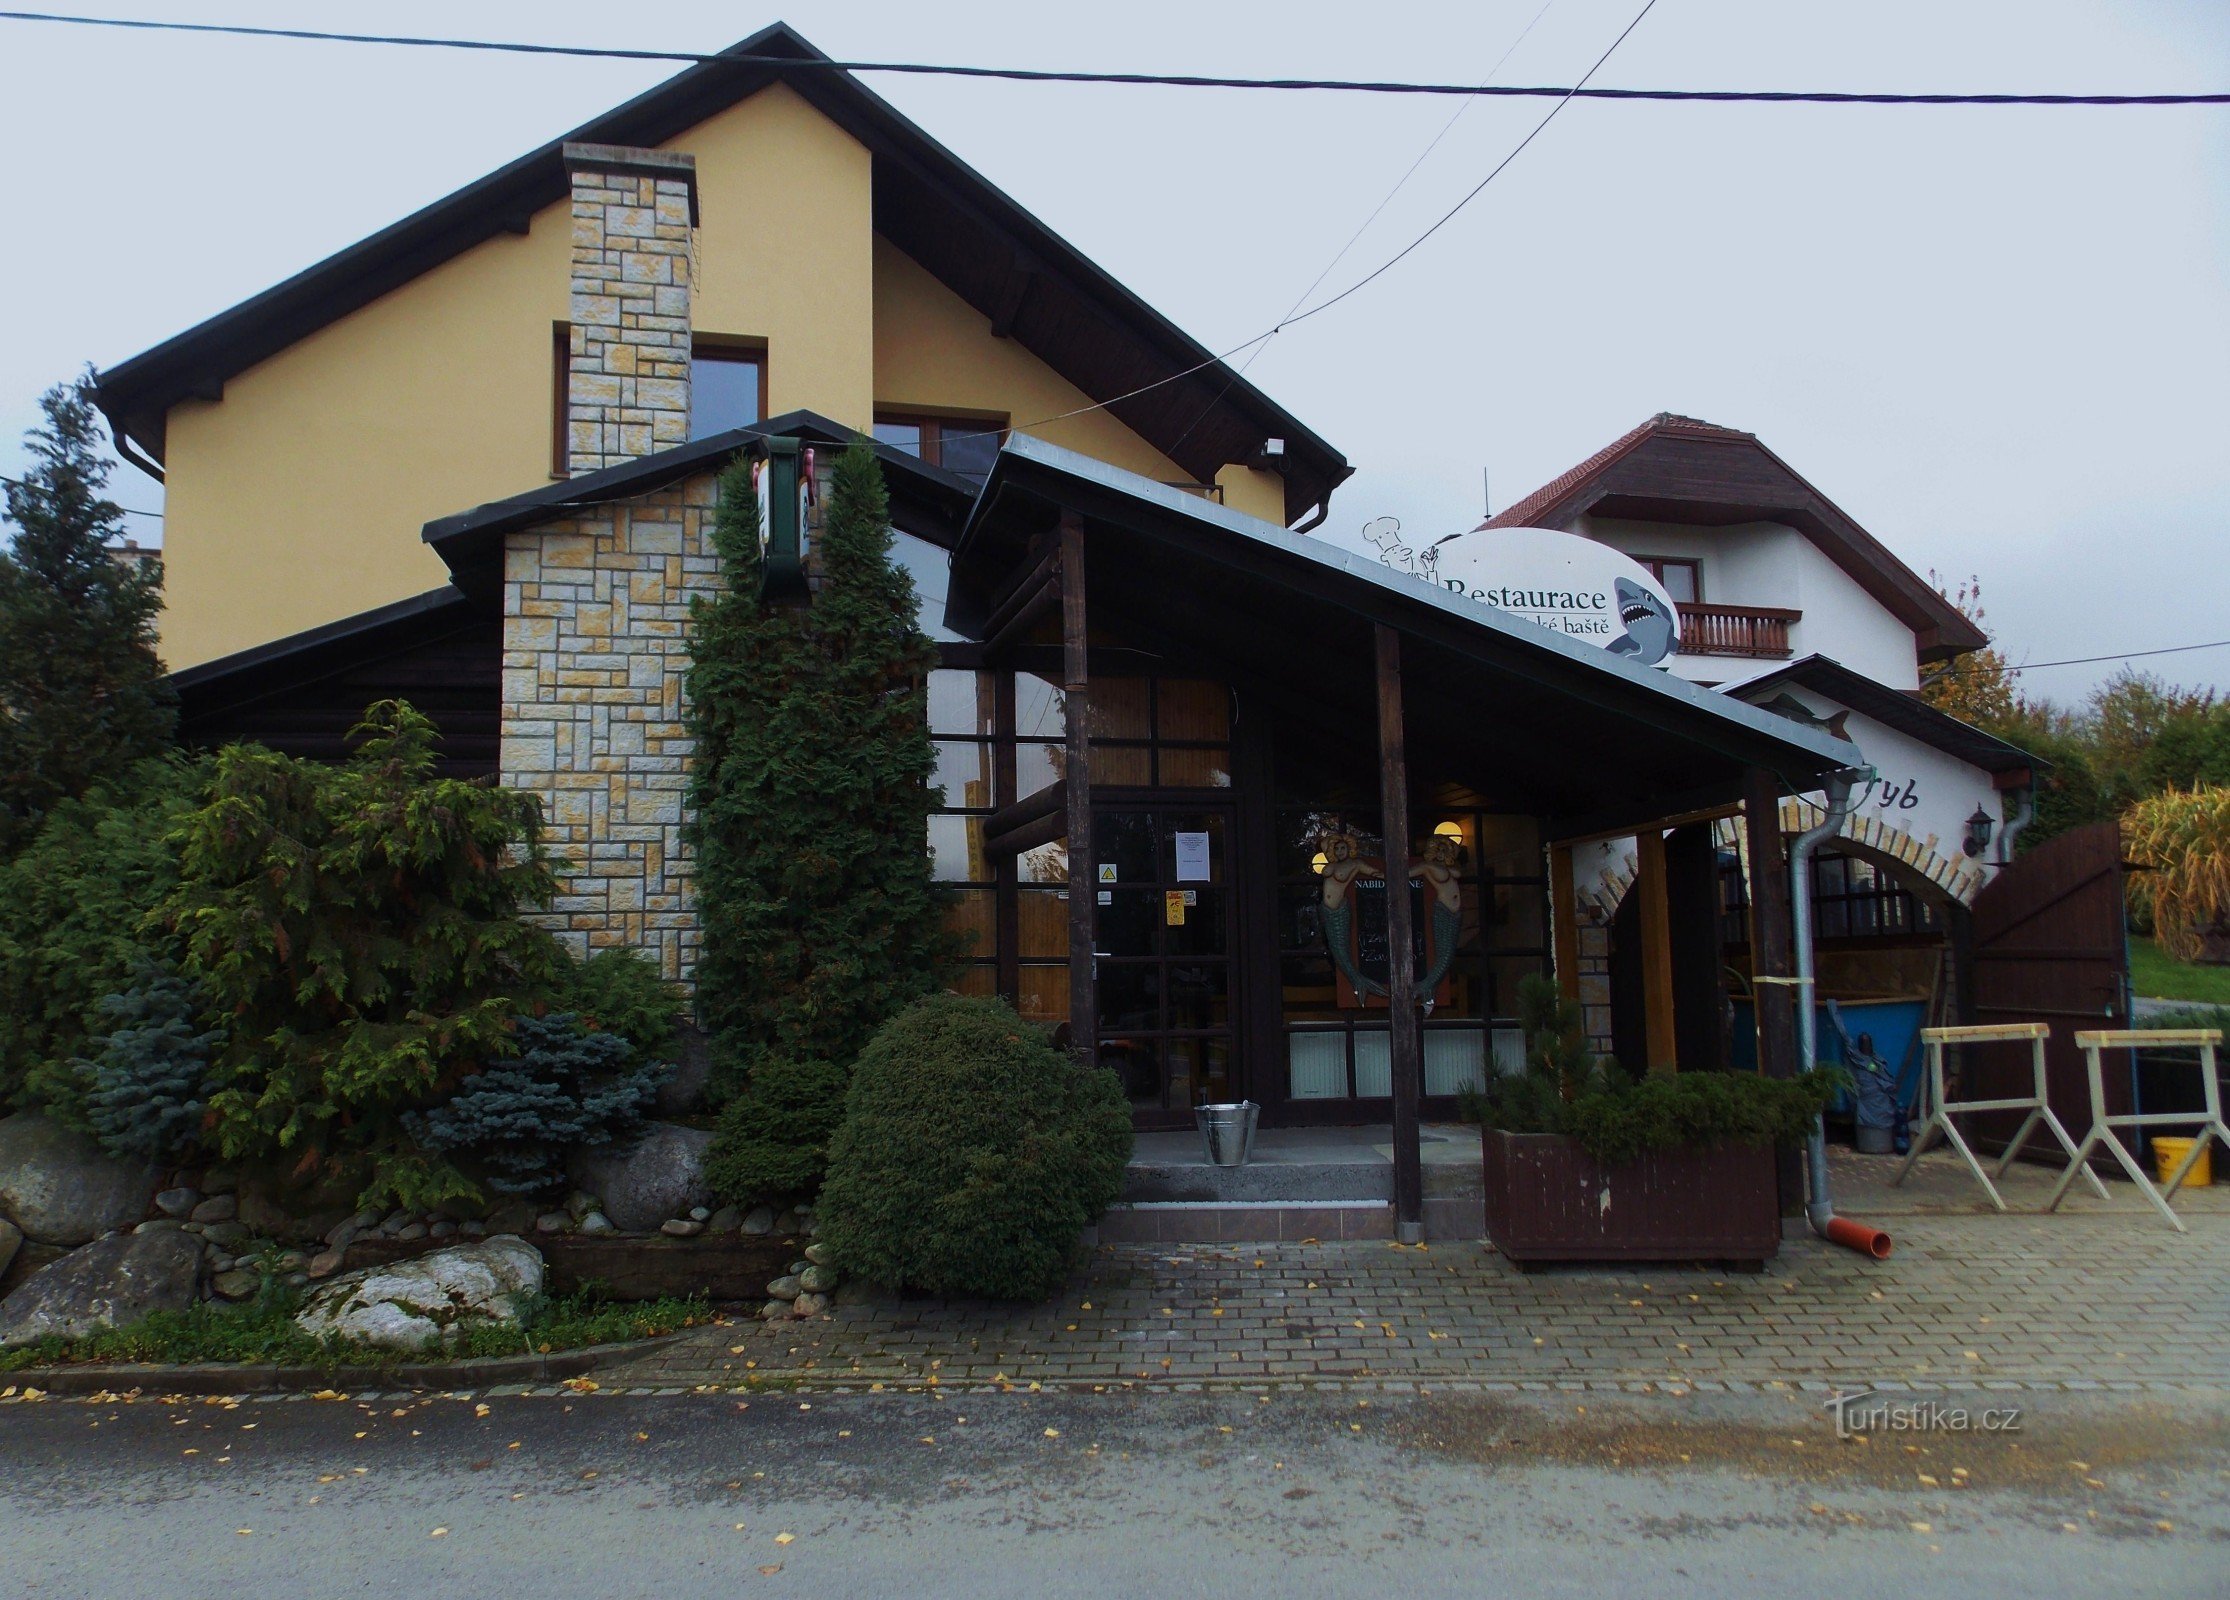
1771	564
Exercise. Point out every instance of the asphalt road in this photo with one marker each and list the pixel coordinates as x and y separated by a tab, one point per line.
987	1496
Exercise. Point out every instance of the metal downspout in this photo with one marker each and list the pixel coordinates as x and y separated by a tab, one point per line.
2018	816
1819	1209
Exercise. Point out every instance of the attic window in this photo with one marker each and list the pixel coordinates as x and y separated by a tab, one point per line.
963	445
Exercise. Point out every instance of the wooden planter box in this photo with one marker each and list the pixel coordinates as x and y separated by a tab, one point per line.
1549	1200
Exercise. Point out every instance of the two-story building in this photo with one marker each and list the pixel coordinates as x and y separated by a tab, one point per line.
473	461
1786	603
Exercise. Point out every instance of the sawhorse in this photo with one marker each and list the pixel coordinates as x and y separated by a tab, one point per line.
2038	1108
2103	1126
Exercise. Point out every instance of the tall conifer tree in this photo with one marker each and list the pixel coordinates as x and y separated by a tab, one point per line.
811	799
82	693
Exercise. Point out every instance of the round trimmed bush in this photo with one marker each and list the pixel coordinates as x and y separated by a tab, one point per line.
972	1155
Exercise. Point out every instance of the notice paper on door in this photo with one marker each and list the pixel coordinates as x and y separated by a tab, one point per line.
1192	858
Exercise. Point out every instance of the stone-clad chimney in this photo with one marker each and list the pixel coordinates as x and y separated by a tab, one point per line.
634	262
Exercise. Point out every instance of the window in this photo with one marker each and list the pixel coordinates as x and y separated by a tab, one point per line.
727	389
1336	1052
727	386
1852	898
963	445
1682	576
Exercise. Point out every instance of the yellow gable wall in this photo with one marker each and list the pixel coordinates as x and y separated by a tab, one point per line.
935	352
298	498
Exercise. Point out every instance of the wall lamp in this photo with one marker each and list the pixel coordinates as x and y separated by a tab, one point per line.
1979	827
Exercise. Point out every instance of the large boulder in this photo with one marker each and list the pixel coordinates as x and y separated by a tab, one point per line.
662	1176
11	1240
112	1281
428	1300
58	1186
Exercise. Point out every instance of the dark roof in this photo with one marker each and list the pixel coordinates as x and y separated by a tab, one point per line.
1031	283
442	651
1535	720
924	499
1893	708
1682	469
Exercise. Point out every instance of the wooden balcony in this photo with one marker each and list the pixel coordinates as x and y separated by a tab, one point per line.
1757	631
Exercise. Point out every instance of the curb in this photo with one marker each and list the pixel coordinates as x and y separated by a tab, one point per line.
84	1378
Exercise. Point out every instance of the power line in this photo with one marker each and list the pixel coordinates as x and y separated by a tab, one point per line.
1363	227
1147	79
18	483
2126	655
1376	272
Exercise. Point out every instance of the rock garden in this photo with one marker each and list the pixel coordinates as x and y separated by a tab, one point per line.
305	1059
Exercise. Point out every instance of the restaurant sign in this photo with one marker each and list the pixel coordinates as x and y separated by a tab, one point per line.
1561	581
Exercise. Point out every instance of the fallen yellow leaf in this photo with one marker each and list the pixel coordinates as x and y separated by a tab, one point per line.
785	1538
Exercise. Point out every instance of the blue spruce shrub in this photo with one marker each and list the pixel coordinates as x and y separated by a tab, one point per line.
516	1119
148	1080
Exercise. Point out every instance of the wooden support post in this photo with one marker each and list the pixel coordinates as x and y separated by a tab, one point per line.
1406	1044
1564	921
1772	956
1660	1045
1077	778
1699	981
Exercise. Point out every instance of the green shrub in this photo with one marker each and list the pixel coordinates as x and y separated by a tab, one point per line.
75	920
972	1155
809	802
358	928
149	1078
513	1123
772	1142
1566	1090
620	991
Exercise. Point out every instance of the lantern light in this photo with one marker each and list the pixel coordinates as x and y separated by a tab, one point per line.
1979	827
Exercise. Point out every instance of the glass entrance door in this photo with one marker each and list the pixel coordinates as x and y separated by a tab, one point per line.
1166	979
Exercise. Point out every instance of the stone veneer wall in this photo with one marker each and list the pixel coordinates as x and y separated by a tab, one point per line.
634	265
595	651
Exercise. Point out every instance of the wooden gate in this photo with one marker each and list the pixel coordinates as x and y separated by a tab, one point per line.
2048	945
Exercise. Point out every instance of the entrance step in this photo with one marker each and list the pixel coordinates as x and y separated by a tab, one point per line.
1302	1183
1246	1221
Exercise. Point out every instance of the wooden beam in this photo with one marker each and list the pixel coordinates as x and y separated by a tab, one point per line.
1077	790
1015	628
1661	1046
1564	921
1030	592
1407	1042
1026	824
1028	809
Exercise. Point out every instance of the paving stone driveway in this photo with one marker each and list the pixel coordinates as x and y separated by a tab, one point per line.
2101	1295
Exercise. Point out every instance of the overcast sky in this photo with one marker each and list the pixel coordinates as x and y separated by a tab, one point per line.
2000	339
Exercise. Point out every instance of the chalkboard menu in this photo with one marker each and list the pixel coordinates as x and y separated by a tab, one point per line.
1371	944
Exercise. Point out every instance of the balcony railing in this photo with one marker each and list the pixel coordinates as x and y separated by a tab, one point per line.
1760	631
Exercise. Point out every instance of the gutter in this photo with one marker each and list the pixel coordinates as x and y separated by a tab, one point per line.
1819	1208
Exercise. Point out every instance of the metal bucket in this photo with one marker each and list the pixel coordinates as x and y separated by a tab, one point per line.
1227	1132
